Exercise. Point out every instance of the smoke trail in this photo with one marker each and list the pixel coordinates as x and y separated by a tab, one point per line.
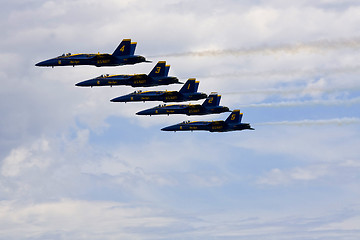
347	102
299	90
285	73
321	45
307	122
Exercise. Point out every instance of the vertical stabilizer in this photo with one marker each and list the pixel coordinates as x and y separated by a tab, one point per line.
159	70
167	69
189	86
212	100
196	86
234	117
124	48
132	48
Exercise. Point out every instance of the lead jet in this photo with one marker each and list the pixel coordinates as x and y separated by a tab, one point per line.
123	55
232	123
157	76
210	106
188	92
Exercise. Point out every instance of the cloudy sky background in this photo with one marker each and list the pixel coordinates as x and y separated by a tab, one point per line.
76	166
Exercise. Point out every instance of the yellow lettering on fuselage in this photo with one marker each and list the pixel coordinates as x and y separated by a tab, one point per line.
194	110
139	81
171	98
103	61
74	62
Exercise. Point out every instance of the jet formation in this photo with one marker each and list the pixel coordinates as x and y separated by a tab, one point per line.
158	76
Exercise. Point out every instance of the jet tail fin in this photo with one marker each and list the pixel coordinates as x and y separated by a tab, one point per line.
167	69
234	117
132	48
212	100
159	70
190	86
125	48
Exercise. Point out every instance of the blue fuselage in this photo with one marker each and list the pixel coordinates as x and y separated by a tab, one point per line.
212	126
98	60
164	96
183	109
138	80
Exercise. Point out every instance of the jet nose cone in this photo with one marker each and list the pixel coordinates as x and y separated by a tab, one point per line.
40	64
87	83
46	63
80	84
142	112
171	128
146	112
167	128
120	99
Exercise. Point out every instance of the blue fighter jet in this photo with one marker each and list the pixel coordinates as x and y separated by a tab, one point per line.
188	92
232	123
158	76
210	106
123	55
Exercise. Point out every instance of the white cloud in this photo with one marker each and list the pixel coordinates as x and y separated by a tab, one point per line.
62	148
106	219
284	177
22	158
80	220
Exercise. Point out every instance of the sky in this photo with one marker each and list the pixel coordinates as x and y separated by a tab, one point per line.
74	165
